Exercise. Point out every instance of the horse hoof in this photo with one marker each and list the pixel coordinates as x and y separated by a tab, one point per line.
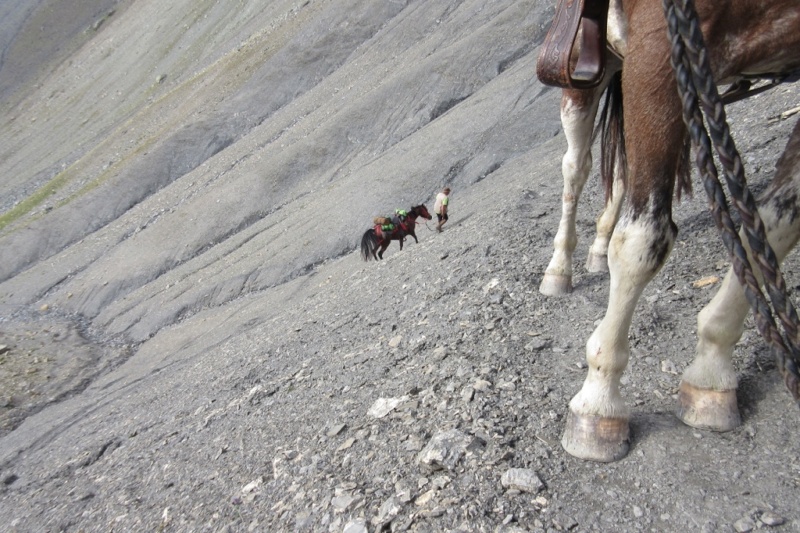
708	409
596	438
555	285
597	263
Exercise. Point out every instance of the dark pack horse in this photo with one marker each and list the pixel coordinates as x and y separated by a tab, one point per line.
375	241
744	39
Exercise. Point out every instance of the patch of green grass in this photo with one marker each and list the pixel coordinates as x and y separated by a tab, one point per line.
34	200
62	179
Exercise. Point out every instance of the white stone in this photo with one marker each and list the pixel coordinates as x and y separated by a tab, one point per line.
668	367
444	450
771	519
388	512
384	406
343	502
252	486
356	526
522	479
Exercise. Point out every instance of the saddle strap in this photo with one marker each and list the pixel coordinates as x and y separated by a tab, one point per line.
744	88
555	66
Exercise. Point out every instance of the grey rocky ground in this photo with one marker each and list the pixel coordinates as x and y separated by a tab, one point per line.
217	357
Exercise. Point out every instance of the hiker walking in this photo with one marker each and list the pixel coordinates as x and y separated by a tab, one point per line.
440	207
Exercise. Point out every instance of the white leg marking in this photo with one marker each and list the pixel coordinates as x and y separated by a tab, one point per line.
631	266
577	121
597	261
720	323
707	395
719	326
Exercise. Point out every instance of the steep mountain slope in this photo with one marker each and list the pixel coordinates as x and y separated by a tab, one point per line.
253	150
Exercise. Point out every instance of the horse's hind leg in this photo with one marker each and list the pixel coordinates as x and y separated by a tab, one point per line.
578	111
384	245
597	260
707	397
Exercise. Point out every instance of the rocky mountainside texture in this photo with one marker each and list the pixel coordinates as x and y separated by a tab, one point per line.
190	341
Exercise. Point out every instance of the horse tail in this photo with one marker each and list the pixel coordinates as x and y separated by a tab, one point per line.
611	128
369	242
613	157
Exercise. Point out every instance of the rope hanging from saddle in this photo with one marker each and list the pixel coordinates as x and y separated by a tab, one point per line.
699	94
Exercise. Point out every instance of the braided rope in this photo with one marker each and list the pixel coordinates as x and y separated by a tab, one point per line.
692	69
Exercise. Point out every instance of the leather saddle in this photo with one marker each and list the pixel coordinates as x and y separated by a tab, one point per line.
566	61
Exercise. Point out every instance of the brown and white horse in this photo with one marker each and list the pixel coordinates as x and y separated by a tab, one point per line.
636	231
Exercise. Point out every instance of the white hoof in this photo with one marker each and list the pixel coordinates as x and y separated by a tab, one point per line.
708	409
597	263
596	438
555	285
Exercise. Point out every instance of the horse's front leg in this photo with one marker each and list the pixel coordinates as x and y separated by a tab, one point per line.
597	425
578	110
707	397
414	234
